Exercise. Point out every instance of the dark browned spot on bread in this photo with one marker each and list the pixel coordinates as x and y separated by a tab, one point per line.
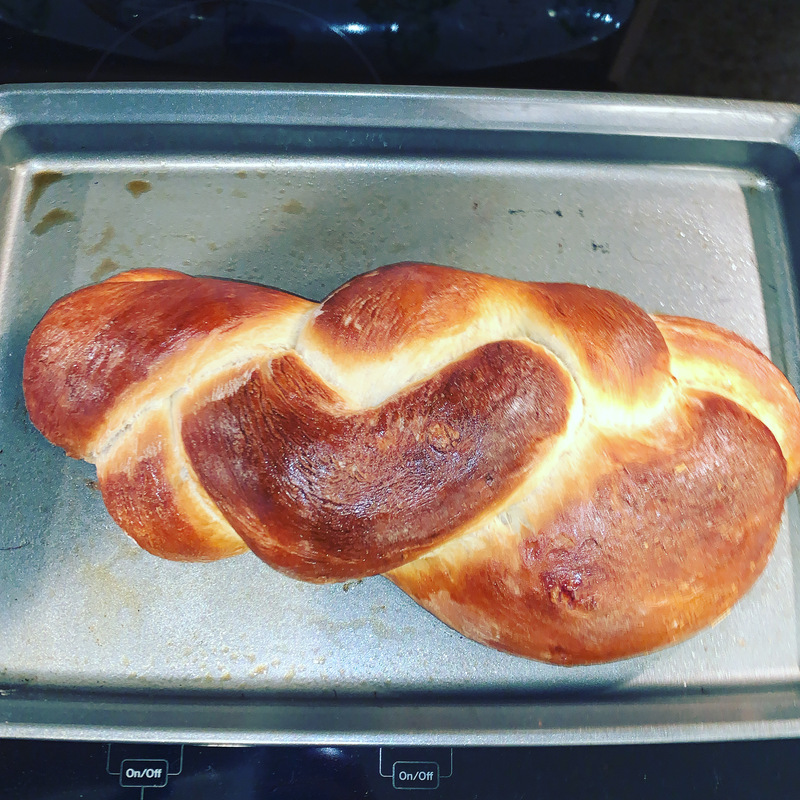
662	546
327	493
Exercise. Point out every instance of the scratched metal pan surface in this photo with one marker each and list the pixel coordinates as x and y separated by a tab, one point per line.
685	207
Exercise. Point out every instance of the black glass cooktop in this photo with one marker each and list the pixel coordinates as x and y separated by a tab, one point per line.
94	771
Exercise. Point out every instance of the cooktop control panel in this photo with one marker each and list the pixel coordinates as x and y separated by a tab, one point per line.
40	770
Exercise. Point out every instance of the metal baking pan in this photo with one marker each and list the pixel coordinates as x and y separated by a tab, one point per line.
685	207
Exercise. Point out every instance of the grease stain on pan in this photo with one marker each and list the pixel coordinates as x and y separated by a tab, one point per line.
39	183
293	207
111	600
58	216
106	267
138	187
105	238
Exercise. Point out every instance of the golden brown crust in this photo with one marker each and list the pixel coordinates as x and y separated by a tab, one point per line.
545	467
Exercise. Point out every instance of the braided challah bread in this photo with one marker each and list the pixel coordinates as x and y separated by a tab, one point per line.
545	467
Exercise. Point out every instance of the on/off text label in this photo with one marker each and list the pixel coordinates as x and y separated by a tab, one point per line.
143	772
415	775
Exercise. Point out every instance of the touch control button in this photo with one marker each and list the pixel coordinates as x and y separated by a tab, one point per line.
141	772
415	775
415	767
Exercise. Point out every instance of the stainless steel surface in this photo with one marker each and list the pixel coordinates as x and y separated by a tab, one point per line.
686	208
